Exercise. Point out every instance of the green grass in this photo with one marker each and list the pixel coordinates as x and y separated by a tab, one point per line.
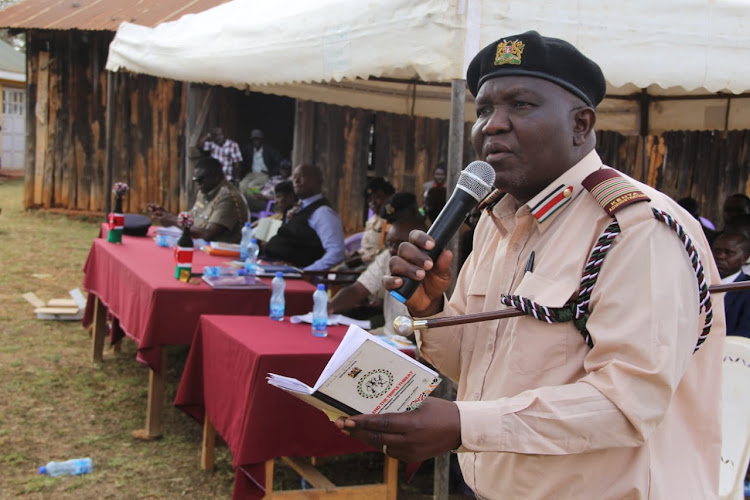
57	404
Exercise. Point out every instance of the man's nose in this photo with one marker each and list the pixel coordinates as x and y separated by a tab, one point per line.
497	122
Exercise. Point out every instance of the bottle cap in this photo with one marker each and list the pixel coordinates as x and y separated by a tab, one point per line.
321	286
279	274
42	469
247	224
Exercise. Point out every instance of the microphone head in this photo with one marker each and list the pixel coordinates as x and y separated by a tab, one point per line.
477	179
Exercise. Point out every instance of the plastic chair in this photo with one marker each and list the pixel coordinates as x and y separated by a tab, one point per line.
353	243
263	213
735	446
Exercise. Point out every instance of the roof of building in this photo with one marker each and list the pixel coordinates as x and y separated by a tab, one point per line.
102	15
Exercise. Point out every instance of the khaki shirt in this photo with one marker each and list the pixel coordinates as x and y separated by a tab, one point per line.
372	238
372	279
545	416
223	205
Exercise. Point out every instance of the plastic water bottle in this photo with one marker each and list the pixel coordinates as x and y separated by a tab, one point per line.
320	312
71	467
251	261
277	297
222	271
247	234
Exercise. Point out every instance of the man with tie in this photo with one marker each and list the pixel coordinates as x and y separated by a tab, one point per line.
312	236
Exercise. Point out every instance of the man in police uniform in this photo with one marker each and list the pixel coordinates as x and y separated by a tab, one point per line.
615	404
219	211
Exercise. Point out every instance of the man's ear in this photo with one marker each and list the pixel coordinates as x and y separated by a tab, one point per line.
584	121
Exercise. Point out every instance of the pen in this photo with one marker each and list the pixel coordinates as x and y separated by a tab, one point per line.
530	263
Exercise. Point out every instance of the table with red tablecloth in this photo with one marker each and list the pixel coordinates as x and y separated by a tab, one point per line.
225	380
133	285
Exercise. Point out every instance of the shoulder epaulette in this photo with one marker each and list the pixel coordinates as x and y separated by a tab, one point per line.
612	191
492	199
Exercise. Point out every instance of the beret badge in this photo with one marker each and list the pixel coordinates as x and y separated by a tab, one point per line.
509	52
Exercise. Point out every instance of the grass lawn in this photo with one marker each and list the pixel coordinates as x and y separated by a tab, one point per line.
56	404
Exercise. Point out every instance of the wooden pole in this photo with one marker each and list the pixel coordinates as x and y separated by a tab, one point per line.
109	139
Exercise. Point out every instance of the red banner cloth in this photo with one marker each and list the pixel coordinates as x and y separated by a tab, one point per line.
135	280
225	377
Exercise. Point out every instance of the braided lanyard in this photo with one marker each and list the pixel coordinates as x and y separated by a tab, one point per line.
577	310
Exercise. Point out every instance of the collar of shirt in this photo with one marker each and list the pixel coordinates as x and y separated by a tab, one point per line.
731	278
553	199
215	191
312	199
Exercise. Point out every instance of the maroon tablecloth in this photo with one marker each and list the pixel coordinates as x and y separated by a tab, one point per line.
135	280
225	376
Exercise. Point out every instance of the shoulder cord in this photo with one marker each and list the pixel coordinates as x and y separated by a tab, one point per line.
577	310
234	201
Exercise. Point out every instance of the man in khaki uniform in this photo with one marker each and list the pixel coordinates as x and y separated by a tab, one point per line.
607	400
219	211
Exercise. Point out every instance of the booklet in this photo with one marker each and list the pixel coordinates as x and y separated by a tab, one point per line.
234	282
267	269
364	375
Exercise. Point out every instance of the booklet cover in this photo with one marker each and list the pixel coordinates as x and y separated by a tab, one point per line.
234	282
364	375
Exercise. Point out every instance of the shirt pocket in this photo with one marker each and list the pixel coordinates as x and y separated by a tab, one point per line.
535	345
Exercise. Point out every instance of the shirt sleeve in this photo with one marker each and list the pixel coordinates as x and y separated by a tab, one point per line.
235	153
327	224
644	335
372	277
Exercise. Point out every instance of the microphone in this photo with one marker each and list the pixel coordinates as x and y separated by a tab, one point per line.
473	185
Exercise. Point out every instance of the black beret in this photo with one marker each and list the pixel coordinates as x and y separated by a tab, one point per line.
530	54
136	224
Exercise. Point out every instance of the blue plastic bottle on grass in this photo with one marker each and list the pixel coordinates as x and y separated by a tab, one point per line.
71	467
320	312
251	261
277	297
247	234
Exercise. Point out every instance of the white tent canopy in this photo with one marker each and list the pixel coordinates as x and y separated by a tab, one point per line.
340	51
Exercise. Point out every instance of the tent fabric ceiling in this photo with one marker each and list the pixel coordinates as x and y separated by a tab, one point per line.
330	50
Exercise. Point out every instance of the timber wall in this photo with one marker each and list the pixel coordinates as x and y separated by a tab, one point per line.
157	120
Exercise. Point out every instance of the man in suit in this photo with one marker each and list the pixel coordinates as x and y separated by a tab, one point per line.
731	250
312	236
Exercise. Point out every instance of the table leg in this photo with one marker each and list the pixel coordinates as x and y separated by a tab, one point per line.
441	479
99	331
207	448
155	402
390	478
117	347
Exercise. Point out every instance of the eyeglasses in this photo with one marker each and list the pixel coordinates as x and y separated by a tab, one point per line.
199	179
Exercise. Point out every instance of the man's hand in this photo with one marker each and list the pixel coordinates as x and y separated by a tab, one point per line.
160	215
414	263
428	431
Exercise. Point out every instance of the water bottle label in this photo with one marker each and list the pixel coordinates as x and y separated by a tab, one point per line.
277	311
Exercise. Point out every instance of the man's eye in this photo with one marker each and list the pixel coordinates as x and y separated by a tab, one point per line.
521	104
484	110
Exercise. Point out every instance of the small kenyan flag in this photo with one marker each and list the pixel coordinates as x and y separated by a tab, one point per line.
183	251
116	218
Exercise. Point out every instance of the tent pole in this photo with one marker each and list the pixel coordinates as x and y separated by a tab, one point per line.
109	139
455	148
